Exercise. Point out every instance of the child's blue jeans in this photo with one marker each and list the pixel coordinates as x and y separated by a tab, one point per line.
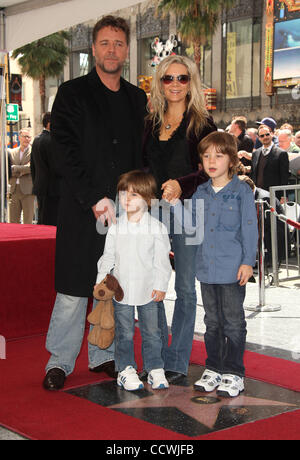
150	331
225	335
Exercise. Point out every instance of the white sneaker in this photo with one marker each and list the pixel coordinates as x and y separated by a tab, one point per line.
231	386
128	379
157	379
209	381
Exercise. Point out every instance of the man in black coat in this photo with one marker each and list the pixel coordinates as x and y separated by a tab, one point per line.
96	128
46	182
238	129
244	142
270	164
263	195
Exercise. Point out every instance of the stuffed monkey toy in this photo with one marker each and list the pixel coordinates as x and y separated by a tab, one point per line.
102	317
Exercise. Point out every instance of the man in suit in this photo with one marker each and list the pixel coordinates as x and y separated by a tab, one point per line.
270	164
22	198
271	123
285	141
260	194
263	195
96	128
44	177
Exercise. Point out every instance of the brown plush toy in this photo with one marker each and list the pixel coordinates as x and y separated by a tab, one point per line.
102	317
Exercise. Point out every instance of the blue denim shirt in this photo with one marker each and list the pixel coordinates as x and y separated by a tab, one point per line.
230	231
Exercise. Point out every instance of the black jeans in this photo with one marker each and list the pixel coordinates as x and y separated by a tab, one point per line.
225	335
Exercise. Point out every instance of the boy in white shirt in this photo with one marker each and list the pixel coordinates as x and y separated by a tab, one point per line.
137	250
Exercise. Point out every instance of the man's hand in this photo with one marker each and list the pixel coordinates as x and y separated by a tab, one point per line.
105	211
245	272
158	296
15	170
172	190
244	154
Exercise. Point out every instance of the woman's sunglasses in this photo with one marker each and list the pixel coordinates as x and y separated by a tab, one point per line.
183	79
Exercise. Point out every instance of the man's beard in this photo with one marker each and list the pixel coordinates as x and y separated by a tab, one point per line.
108	69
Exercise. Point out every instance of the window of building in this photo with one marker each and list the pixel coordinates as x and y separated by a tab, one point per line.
147	55
126	70
206	65
243	40
81	63
206	60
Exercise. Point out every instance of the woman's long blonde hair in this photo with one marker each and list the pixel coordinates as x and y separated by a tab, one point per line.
196	110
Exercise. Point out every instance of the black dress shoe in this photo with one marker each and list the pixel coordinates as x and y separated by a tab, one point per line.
54	380
174	377
108	368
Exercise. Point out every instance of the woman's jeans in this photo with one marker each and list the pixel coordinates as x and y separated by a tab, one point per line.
66	332
225	335
177	355
150	331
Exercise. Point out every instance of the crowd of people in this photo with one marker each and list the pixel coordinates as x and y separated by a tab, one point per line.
106	140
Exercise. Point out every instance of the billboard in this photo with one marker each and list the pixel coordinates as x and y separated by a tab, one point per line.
286	61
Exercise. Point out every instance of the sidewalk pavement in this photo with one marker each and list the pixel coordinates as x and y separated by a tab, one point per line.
272	333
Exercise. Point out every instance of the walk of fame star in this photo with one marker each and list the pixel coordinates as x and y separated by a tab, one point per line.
187	411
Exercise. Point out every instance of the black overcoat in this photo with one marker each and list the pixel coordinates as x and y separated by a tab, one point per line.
83	142
44	177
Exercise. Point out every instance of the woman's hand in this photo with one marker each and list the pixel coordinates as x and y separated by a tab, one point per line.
171	190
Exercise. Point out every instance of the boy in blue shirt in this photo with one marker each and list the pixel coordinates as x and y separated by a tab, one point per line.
224	262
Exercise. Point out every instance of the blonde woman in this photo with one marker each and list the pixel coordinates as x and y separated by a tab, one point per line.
176	124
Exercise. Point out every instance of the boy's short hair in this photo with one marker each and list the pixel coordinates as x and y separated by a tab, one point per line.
223	142
114	22
141	182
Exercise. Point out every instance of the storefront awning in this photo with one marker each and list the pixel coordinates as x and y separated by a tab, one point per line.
27	21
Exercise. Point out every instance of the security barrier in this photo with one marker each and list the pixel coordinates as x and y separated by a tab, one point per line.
261	306
291	218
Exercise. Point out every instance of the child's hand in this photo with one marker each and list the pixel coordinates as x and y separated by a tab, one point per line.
171	191
158	296
245	272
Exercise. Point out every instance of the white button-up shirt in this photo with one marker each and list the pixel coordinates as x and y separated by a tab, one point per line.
138	254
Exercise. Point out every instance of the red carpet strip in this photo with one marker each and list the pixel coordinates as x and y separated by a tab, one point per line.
28	409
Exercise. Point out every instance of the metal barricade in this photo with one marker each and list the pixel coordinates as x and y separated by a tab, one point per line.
292	269
261	306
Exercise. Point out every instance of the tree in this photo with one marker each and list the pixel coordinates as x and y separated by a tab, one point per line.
198	19
42	59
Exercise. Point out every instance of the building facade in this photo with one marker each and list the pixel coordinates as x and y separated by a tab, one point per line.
237	62
233	60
